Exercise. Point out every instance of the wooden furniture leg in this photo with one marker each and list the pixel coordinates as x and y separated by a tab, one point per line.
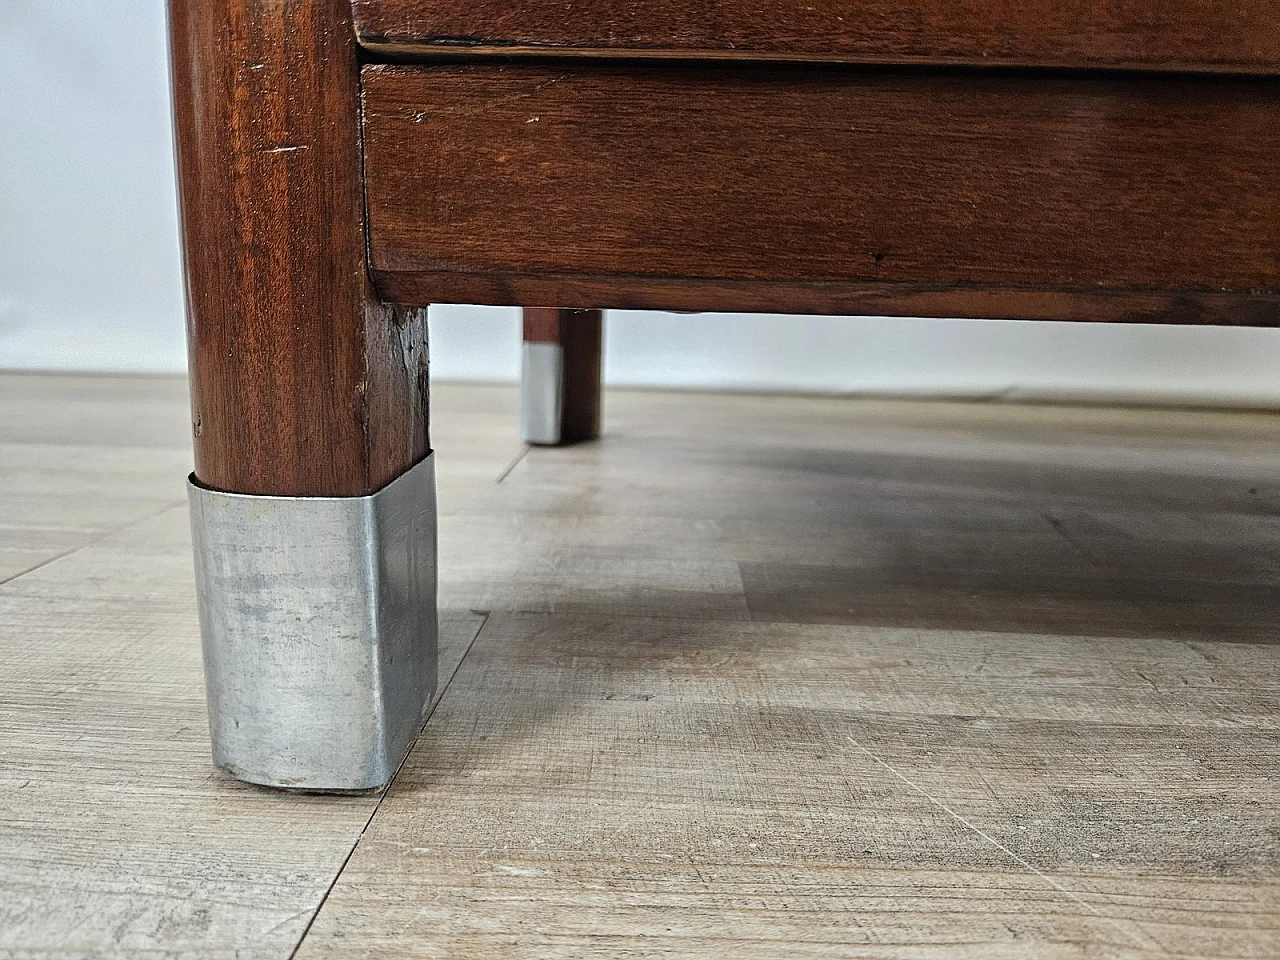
560	380
312	498
315	188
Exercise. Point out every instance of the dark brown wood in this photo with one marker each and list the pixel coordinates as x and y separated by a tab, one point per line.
1104	197
580	334
543	324
854	299
1213	35
302	383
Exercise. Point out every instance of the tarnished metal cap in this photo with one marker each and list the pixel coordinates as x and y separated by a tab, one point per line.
318	618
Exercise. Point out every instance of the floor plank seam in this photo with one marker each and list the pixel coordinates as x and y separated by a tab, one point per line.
513	464
377	806
782	621
94	542
1144	941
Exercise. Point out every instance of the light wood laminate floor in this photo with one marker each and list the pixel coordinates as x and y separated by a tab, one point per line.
752	677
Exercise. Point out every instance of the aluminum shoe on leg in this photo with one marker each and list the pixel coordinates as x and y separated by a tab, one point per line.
318	619
542	393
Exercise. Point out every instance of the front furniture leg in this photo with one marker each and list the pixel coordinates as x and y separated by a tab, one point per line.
312	499
560	381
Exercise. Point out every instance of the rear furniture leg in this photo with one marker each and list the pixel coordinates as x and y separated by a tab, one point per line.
313	509
560	382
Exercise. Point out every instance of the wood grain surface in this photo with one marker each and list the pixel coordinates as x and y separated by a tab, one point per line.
633	787
302	383
956	194
1148	34
118	836
1019	767
83	458
1025	706
580	336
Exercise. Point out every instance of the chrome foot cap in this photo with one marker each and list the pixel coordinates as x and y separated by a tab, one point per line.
318	620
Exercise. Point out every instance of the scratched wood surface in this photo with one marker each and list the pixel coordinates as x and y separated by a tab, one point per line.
635	787
715	707
666	741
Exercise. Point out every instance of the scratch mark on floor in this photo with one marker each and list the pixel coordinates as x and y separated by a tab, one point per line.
1143	939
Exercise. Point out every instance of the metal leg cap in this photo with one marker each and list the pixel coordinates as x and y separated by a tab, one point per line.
542	393
318	619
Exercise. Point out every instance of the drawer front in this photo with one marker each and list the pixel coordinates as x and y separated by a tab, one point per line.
823	191
1213	35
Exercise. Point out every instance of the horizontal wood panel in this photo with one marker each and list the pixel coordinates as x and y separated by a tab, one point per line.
1113	198
623	292
1218	35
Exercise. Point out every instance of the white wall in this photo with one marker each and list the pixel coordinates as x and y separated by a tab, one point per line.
89	272
910	357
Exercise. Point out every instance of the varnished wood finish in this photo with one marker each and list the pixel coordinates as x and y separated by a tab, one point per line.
580	335
302	383
1070	197
634	292
1218	35
544	324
